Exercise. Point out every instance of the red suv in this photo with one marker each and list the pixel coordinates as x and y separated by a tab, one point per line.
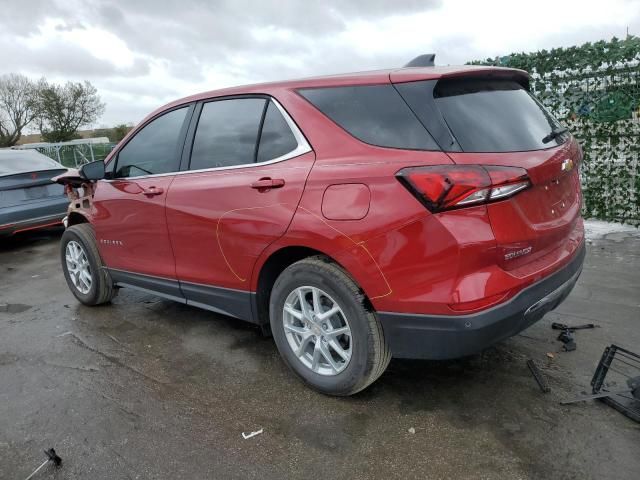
414	213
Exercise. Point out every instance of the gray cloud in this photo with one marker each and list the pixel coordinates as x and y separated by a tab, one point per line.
70	26
19	19
187	39
193	34
181	47
64	59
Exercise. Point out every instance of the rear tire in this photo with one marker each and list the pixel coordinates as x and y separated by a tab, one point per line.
82	266
345	363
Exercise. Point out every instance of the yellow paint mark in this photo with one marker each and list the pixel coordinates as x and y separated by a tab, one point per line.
218	234
358	244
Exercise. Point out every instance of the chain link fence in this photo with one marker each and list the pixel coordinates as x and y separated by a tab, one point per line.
75	153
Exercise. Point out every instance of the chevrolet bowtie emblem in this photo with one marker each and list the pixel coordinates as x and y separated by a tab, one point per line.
567	165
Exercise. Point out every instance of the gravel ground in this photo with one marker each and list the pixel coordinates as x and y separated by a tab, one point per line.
146	388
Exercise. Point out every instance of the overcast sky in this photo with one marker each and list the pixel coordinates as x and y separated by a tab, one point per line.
141	54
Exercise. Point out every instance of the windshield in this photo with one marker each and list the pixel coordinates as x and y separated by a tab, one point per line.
21	161
488	115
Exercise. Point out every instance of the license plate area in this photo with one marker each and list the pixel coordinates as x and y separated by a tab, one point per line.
35	193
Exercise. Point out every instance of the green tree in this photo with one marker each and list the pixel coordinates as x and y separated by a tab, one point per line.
66	108
120	131
18	107
114	134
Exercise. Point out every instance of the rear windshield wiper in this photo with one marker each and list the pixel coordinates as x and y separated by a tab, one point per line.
555	133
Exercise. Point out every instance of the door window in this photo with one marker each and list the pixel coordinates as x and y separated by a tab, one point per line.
227	133
154	149
276	138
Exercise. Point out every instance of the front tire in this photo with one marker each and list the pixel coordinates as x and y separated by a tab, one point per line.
323	330
83	267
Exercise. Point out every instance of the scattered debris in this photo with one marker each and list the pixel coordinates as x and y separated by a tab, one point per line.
64	334
51	457
252	434
623	368
550	355
412	430
562	326
538	376
566	336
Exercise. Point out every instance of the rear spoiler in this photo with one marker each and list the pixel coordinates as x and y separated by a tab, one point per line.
29	179
425	60
403	75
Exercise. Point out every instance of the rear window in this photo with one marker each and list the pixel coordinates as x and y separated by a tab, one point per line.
21	161
374	114
488	115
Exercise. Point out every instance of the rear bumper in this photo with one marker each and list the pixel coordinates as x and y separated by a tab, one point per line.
31	224
447	336
33	215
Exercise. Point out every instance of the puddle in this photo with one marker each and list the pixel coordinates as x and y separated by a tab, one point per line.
14	307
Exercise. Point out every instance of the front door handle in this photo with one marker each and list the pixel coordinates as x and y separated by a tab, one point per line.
267	183
152	191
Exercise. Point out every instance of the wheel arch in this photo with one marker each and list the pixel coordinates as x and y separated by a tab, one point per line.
274	265
75	218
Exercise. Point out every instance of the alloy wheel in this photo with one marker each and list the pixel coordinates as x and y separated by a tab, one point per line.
78	267
317	330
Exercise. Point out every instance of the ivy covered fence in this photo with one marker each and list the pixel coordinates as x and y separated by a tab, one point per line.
594	89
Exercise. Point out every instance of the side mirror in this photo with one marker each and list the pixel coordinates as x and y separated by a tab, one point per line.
93	170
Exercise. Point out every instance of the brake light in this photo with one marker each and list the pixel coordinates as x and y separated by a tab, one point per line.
445	187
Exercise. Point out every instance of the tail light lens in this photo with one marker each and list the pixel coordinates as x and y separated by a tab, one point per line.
445	187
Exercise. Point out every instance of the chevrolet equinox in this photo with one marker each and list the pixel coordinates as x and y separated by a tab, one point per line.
423	212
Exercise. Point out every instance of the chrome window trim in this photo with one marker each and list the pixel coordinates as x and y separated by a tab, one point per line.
302	148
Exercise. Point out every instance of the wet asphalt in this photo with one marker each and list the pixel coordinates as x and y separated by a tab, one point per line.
146	388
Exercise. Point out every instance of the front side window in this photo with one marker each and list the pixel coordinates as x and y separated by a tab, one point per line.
227	133
154	149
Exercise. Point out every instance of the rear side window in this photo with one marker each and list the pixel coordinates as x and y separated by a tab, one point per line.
488	115
375	114
227	133
276	138
154	149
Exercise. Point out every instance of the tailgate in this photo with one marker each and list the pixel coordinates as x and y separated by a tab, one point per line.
28	187
491	118
542	219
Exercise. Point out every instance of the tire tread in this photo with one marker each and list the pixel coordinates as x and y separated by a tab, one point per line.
105	289
381	356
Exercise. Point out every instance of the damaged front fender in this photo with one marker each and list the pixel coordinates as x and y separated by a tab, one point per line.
80	193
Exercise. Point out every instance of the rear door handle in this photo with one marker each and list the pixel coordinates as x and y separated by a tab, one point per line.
152	191
267	183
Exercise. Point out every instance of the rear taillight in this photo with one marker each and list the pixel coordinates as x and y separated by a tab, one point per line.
444	187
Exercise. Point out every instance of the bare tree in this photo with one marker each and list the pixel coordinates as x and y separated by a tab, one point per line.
65	108
18	107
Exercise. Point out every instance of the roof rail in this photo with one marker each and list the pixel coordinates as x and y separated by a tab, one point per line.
425	60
